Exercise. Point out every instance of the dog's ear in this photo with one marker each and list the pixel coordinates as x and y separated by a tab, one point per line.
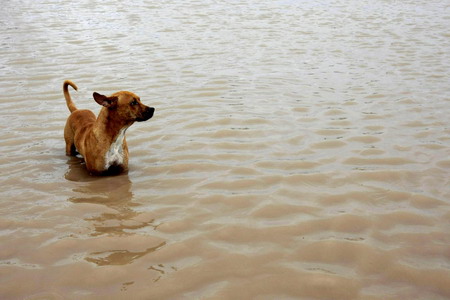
105	101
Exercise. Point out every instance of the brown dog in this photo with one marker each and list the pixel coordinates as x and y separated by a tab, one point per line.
101	141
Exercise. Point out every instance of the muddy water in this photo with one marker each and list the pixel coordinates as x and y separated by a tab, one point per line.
299	150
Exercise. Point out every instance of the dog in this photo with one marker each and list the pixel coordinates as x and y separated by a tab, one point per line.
101	140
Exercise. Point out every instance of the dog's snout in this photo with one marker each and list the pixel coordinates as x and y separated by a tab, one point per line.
147	113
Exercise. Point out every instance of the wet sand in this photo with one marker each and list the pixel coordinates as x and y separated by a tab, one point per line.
299	150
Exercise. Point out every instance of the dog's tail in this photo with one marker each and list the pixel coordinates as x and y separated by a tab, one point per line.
69	102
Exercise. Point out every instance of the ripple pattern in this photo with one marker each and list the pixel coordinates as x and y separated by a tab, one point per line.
299	150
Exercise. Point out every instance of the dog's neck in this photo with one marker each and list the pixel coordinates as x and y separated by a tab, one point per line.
109	128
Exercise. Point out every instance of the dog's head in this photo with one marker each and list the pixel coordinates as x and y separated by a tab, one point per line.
125	105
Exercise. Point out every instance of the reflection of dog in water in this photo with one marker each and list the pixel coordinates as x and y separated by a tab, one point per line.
101	141
114	192
121	220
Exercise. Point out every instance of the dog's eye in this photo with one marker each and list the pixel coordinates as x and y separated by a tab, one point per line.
133	103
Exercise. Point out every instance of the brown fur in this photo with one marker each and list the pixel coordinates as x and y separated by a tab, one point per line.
99	140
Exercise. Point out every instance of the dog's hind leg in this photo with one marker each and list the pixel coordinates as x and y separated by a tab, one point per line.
70	142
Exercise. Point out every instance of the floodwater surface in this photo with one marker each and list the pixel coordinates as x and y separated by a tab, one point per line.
299	150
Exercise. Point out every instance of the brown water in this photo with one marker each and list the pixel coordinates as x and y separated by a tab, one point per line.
299	150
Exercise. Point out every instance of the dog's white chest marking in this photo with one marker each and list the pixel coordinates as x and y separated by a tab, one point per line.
114	156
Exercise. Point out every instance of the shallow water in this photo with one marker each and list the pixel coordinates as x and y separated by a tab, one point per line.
299	150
